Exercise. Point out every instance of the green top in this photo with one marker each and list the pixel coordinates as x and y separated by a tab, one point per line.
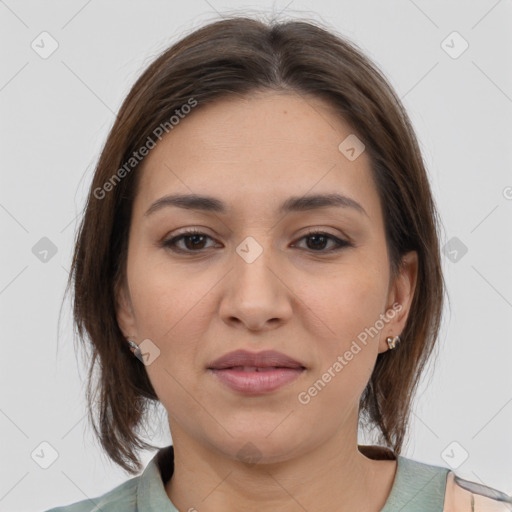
417	487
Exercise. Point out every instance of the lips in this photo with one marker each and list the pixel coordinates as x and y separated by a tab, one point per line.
251	373
251	361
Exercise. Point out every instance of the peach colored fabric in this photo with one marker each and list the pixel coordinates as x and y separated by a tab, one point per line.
458	499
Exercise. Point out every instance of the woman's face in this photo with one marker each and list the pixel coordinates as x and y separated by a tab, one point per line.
254	280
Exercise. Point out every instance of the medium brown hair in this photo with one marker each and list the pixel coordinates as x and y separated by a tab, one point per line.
238	56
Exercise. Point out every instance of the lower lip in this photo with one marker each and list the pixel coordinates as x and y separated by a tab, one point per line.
253	382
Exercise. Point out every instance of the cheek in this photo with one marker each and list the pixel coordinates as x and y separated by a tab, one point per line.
172	309
347	357
349	304
165	299
169	308
349	301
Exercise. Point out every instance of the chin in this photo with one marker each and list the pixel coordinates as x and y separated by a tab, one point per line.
259	448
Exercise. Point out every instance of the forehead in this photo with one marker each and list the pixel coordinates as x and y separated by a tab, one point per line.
257	150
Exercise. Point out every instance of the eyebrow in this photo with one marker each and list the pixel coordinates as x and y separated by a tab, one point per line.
292	204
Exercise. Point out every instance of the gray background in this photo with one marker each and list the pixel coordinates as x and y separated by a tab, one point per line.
55	114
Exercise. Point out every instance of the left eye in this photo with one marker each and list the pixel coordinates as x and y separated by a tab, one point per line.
320	238
197	239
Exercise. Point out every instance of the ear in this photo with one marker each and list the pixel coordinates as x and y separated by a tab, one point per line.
400	298
124	311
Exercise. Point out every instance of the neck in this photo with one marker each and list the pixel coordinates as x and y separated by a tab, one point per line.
334	472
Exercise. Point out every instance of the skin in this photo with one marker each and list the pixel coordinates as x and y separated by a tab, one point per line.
309	303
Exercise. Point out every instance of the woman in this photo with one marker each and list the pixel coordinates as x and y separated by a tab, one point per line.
260	254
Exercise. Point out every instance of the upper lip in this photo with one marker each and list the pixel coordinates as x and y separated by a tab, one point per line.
264	359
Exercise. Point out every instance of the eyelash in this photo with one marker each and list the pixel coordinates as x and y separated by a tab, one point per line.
171	243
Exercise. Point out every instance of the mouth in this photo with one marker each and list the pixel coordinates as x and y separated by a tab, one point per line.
255	373
250	360
252	368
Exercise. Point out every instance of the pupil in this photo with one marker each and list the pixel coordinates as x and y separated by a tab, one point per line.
194	240
321	237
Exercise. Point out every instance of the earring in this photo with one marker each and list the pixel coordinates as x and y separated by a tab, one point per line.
134	348
392	341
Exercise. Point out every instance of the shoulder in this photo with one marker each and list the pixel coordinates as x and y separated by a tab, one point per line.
434	488
143	492
465	496
421	487
414	470
122	498
418	484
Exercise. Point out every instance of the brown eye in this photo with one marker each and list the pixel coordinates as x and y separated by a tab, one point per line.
194	241
320	239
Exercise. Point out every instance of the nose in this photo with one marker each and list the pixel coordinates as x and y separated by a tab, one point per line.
256	294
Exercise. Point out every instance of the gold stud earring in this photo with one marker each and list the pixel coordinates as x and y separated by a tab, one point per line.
392	341
134	348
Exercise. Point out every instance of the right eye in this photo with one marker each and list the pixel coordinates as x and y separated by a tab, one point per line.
194	237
